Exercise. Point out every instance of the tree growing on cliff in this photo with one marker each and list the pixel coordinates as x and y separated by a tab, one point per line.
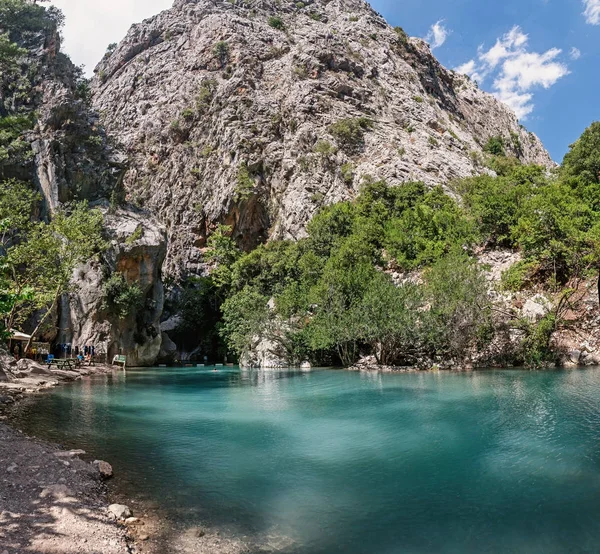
43	259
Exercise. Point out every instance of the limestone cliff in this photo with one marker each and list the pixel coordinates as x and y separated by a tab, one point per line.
63	150
254	113
137	251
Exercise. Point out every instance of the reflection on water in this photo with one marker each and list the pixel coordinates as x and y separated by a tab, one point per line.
503	461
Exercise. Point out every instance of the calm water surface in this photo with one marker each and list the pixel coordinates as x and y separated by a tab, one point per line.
339	462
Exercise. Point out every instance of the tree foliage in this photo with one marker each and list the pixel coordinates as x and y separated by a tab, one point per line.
37	259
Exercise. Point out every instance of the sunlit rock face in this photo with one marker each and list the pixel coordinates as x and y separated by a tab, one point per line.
225	110
140	261
72	159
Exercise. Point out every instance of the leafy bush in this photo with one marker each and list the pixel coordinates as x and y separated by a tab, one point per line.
244	315
583	159
14	148
536	343
494	146
427	231
324	148
276	22
350	132
135	236
221	52
347	171
518	276
121	298
459	316
402	36
22	16
245	184
205	96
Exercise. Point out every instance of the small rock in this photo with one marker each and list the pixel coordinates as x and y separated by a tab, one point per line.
104	468
536	308
69	453
12	468
144	537
58	491
120	511
132	521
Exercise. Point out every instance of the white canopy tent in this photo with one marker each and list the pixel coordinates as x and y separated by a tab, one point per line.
17	335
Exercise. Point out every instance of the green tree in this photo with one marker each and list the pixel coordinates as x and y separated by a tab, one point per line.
459	316
221	52
222	253
276	22
390	320
120	297
428	231
350	132
494	146
583	159
554	229
44	260
244	317
496	203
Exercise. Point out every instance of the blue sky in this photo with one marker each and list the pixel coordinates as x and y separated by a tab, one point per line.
472	27
513	47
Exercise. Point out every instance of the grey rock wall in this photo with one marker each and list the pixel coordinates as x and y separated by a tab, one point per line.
196	123
140	261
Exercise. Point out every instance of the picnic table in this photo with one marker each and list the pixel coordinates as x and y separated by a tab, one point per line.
68	363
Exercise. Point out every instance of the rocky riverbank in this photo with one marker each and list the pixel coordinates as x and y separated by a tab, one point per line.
52	501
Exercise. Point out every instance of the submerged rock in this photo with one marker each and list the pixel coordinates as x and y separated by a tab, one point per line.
69	453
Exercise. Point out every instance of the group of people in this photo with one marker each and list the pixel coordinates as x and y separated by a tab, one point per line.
84	353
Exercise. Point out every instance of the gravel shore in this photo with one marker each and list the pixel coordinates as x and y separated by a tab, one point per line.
53	502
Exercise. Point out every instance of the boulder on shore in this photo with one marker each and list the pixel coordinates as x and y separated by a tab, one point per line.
120	511
104	468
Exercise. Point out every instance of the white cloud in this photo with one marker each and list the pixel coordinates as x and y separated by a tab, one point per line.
437	35
503	48
470	68
575	53
592	11
91	25
515	70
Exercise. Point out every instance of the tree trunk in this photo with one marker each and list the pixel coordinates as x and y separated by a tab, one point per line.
43	320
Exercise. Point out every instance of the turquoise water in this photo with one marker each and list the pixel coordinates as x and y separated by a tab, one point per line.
339	462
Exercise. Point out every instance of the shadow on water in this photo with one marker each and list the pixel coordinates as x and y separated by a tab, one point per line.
499	461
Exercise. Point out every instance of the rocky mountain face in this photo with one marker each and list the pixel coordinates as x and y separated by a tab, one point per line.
70	158
66	153
255	113
137	251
